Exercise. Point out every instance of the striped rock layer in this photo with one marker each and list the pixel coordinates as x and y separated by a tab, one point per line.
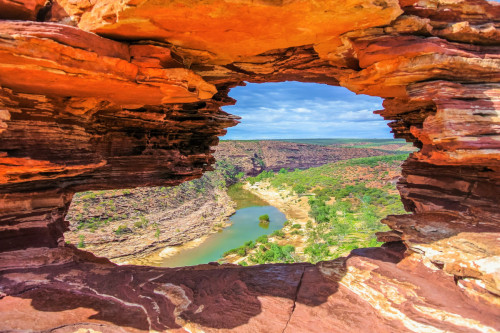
126	93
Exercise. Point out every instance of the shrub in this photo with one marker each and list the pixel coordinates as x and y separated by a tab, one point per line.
317	252
229	252
250	244
262	239
242	251
81	243
122	229
299	189
143	220
264	218
296	226
278	233
275	253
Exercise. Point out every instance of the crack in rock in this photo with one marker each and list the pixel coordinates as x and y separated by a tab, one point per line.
295	299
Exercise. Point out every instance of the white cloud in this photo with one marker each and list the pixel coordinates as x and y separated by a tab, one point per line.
294	110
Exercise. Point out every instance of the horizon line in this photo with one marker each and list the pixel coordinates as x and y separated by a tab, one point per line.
310	139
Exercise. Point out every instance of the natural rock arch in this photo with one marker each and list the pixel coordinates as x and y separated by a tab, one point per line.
139	105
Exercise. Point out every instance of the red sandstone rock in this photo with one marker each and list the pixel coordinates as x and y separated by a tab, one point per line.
254	27
372	290
58	62
79	111
254	157
20	10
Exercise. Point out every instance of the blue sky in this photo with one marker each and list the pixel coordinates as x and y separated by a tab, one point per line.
292	110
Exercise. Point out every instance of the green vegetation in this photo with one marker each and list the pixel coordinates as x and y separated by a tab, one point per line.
81	241
264	218
278	233
347	199
242	250
265	251
326	176
121	230
274	253
299	188
98	208
327	142
264	239
263	175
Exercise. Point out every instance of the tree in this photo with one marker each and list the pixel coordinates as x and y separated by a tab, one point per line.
264	218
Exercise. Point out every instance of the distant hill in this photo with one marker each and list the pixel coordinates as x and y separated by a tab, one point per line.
335	141
254	156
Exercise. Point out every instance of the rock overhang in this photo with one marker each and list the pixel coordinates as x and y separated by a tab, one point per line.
140	105
229	31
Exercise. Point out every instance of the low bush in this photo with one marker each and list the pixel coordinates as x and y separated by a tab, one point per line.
264	218
278	233
122	229
81	242
262	239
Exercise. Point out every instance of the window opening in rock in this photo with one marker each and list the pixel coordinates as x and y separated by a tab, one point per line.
307	176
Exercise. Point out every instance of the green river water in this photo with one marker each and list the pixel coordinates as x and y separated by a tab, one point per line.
245	226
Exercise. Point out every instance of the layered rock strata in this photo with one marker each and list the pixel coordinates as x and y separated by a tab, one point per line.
138	104
253	157
372	290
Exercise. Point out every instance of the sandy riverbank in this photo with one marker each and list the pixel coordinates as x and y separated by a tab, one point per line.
156	258
296	208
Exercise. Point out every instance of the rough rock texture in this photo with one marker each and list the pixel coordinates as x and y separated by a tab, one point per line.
140	106
253	157
371	290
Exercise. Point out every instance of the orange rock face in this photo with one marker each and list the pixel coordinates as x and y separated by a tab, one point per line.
227	31
138	104
65	61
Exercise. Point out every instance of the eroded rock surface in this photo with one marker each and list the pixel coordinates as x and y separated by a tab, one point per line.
253	157
371	290
138	104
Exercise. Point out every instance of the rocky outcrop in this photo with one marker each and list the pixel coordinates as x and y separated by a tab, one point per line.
253	157
130	224
371	290
74	119
139	105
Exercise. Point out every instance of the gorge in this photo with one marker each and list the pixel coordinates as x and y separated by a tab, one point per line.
125	225
111	94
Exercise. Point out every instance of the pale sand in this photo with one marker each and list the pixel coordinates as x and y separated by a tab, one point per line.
170	251
295	208
156	258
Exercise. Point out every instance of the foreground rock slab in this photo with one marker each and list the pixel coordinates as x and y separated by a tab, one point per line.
375	290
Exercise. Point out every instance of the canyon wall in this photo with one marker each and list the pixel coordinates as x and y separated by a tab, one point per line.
253	157
115	94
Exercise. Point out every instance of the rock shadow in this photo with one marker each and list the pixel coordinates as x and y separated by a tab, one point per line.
209	296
